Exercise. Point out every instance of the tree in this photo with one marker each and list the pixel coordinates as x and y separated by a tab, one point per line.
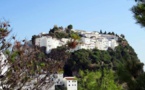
26	66
74	40
59	54
113	33
122	36
139	0
54	29
100	31
129	67
93	80
70	26
105	32
139	13
79	60
87	80
140	82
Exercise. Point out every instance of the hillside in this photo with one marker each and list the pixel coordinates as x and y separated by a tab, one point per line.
98	60
120	67
122	63
110	65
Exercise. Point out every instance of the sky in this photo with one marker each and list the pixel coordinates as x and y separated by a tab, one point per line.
31	17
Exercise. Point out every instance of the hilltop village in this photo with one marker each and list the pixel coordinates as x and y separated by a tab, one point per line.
70	59
58	37
87	40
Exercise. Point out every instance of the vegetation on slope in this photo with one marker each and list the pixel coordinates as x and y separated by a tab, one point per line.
119	69
122	63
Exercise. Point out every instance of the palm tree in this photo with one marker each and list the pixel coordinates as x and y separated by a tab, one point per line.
74	40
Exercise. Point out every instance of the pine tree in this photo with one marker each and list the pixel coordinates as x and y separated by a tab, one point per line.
139	13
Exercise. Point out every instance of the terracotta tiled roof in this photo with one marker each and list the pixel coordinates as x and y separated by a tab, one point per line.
70	78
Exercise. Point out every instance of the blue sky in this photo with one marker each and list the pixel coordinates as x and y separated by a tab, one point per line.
29	17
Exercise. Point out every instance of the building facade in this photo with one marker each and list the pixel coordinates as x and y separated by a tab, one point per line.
3	65
70	83
89	40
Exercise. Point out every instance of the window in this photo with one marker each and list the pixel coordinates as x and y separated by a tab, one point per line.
74	81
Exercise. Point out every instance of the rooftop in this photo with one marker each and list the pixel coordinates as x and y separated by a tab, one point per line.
70	78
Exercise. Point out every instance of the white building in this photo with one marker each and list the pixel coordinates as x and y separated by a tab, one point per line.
3	63
89	40
48	42
70	83
101	43
54	80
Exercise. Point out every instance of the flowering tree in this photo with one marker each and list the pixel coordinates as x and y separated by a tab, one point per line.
26	66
